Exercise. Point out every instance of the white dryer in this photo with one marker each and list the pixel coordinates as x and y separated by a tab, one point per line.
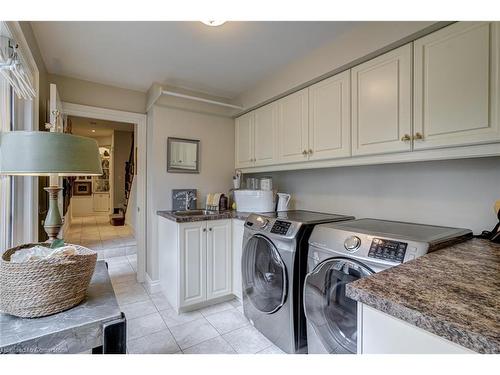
340	253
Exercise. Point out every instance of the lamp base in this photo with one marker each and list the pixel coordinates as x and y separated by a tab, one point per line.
53	221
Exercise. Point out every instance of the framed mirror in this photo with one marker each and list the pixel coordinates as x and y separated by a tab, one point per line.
183	155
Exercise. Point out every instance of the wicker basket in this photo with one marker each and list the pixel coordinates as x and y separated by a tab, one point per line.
44	287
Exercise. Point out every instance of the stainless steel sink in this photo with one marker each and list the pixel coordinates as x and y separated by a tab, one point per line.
195	213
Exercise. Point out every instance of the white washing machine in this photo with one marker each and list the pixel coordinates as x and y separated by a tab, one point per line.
274	263
341	253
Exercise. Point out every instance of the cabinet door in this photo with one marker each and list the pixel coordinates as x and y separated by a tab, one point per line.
244	134
265	129
381	103
193	262
293	126
238	229
101	202
456	86
219	262
330	118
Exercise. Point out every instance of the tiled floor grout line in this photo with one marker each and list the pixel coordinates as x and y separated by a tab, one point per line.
166	327
157	312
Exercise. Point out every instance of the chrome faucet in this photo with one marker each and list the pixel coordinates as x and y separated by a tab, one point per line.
189	198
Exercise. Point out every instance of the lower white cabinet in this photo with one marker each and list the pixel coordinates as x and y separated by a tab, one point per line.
192	263
195	262
219	263
380	333
238	229
101	202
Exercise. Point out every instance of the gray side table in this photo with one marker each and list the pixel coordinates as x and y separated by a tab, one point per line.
96	324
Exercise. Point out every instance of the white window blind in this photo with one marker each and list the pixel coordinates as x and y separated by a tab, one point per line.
5	181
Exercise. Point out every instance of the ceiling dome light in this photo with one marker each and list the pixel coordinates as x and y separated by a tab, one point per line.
214	23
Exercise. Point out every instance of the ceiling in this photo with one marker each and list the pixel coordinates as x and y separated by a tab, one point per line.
83	126
223	61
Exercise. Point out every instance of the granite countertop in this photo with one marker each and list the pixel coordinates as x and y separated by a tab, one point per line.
453	293
230	214
71	331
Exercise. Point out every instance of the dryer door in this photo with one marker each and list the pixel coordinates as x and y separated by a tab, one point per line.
328	310
264	274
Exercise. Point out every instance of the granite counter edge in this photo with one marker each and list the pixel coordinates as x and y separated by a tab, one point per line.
190	219
444	329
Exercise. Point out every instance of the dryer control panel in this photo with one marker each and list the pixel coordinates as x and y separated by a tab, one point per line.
273	227
280	227
388	250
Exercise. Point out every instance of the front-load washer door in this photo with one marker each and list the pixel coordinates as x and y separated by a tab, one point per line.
331	314
264	275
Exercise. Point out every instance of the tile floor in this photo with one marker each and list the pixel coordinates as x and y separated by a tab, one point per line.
95	232
152	325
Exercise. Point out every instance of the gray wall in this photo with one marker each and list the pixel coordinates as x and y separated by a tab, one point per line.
122	143
452	193
347	47
216	135
78	91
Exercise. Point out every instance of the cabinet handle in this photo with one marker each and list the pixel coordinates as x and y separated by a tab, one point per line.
310	151
418	137
405	138
210	229
204	229
304	152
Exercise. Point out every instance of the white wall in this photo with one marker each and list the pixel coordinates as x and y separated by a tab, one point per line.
458	193
131	214
216	135
348	47
82	206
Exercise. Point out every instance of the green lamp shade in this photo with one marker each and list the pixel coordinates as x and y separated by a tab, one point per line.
45	153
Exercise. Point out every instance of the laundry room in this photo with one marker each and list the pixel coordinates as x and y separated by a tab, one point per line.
250	183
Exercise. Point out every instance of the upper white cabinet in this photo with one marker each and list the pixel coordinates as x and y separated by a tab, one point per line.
456	98
256	137
265	130
330	118
439	92
381	103
293	127
244	135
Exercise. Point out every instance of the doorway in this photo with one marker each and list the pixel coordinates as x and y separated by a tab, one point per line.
138	121
100	211
114	192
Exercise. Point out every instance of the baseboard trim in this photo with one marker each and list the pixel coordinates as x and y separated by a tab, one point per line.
152	286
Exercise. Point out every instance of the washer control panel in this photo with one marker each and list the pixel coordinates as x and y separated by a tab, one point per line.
280	227
393	251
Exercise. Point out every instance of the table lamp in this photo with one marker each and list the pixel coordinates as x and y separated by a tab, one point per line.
25	153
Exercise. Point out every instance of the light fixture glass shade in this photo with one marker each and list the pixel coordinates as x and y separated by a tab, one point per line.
44	153
214	23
